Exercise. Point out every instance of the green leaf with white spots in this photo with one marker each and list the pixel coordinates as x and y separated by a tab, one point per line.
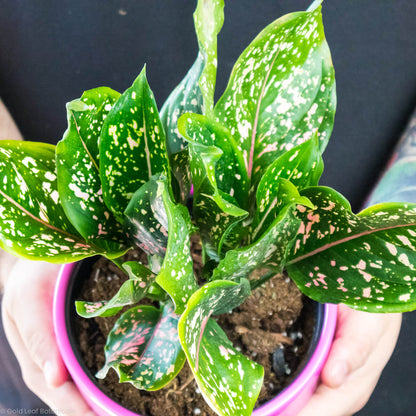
181	181
132	146
176	276
281	90
144	348
195	91
229	381
198	85
365	261
161	227
273	194
269	250
185	98
33	223
79	184
228	174
130	292
302	165
146	221
219	179
208	18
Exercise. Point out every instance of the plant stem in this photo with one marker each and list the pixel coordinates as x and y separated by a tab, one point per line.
118	262
256	283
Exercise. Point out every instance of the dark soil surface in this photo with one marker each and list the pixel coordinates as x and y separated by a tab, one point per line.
273	327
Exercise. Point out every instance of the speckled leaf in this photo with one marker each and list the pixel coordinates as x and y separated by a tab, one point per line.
181	182
163	228
145	219
228	174
186	97
33	223
208	18
218	176
281	90
365	260
176	276
144	348
302	165
79	182
273	194
132	145
229	381
269	250
299	167
130	292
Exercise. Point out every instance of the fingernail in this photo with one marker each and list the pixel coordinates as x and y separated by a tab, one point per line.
49	373
339	374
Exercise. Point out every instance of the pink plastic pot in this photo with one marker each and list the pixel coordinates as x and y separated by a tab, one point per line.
287	403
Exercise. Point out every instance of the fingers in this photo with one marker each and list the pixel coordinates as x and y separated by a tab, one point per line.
34	317
357	336
362	346
43	356
64	399
27	317
351	347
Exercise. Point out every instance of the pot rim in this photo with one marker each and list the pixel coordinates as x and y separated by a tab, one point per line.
101	400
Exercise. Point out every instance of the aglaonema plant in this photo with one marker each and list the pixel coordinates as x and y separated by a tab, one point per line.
121	178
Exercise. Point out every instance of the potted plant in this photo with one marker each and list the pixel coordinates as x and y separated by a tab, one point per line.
123	175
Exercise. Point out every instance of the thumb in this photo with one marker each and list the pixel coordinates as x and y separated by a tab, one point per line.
351	347
33	317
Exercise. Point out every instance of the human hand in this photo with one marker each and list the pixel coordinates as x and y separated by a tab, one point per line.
27	318
362	346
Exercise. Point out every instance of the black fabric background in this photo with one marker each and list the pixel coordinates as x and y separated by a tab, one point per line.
51	51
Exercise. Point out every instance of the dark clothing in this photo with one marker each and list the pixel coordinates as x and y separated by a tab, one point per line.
51	51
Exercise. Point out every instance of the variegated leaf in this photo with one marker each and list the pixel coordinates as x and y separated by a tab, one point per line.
208	18
79	182
185	98
281	90
365	260
163	228
179	163
144	348
33	223
176	276
269	250
228	174
273	194
130	292
145	221
302	165
132	146
218	176
229	381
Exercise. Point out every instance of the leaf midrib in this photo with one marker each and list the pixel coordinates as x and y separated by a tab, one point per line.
345	240
84	145
257	116
39	220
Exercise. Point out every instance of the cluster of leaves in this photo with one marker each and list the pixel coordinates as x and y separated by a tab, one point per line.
121	178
